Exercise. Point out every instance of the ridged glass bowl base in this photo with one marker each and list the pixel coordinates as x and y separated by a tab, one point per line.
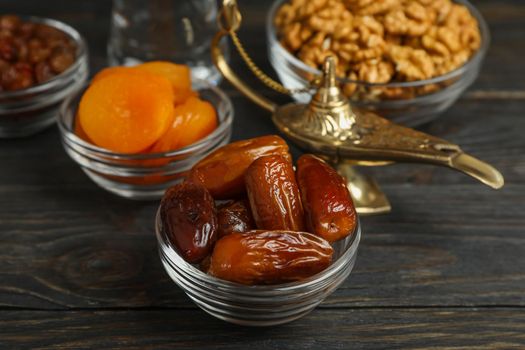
261	305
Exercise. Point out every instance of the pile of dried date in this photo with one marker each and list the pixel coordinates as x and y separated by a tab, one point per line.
276	225
31	53
380	41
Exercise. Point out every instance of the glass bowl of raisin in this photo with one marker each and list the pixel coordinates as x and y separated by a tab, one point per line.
42	61
408	61
253	240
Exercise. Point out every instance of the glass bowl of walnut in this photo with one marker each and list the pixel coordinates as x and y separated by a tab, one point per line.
407	60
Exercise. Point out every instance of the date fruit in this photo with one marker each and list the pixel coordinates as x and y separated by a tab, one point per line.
188	216
234	216
222	171
329	210
273	193
269	257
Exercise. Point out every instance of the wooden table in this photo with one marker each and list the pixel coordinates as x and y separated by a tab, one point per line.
79	266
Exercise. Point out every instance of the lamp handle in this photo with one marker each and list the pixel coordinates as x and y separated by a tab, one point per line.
229	20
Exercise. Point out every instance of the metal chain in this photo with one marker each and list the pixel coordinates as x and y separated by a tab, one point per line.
263	77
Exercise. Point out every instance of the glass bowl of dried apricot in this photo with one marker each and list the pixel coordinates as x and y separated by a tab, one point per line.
137	130
407	60
253	240
42	61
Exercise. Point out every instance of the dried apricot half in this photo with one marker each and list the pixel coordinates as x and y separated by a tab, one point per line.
127	113
79	131
110	71
194	119
179	76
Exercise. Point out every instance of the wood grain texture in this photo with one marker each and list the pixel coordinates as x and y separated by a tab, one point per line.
442	245
492	328
67	243
79	266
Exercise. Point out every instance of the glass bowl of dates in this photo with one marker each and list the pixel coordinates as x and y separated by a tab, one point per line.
405	60
42	61
253	240
136	131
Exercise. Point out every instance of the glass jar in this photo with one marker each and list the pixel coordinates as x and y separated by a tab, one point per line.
28	111
179	31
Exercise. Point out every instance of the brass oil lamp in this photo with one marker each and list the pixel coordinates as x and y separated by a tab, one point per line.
329	127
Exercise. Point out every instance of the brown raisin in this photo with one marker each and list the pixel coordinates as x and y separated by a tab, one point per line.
7	49
9	22
61	61
37	51
43	72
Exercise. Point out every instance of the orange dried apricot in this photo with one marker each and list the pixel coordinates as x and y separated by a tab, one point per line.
109	71
127	113
79	131
178	75
194	119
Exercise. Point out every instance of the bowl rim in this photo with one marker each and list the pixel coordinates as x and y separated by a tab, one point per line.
80	59
68	103
296	62
256	290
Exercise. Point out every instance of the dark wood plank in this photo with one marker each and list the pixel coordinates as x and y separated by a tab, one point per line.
67	243
444	270
488	328
489	129
442	245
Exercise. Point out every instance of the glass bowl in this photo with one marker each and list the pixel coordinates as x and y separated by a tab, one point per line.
143	176
28	111
441	91
266	305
